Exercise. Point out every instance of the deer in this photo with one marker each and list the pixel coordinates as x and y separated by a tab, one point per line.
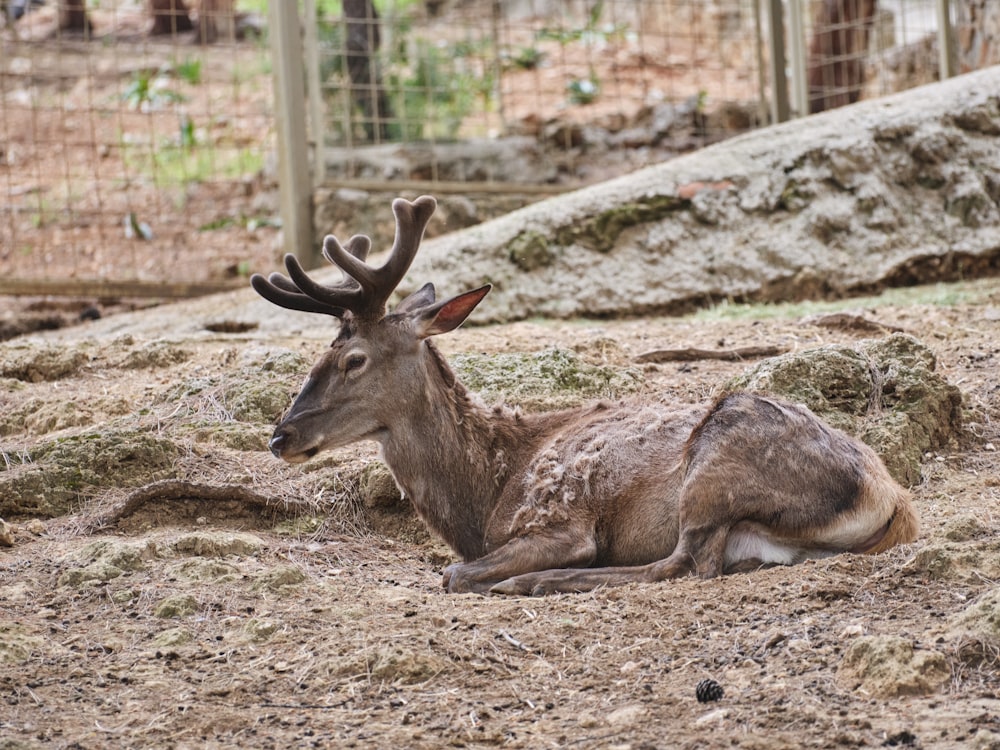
567	501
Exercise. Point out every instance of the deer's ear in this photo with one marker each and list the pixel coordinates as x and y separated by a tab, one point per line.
450	314
423	297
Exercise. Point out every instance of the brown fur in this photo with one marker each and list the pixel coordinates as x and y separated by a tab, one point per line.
566	501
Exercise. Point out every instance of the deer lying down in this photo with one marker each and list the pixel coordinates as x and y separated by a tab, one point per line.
575	499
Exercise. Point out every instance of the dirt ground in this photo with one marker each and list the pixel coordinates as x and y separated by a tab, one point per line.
265	605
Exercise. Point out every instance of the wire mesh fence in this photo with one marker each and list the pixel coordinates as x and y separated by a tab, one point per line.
126	155
642	77
137	147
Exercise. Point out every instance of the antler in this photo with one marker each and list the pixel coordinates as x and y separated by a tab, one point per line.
364	290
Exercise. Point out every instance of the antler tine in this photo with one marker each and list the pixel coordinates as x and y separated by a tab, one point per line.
378	284
283	292
411	221
344	296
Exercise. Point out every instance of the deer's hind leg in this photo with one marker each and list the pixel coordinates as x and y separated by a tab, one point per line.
763	480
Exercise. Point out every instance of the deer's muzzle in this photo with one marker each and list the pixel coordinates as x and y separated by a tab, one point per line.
278	442
285	445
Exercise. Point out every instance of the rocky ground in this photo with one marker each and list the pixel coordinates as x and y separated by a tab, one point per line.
167	582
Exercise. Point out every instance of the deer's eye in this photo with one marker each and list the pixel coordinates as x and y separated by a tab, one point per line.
354	362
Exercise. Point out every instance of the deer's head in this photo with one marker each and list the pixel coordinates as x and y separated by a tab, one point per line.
375	369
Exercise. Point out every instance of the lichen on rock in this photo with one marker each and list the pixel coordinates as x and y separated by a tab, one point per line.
35	364
549	379
58	473
891	666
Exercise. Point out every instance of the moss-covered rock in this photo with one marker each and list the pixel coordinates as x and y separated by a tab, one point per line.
256	400
531	250
109	456
104	560
218	544
172	638
275	360
890	666
178	605
246	395
239	436
279	578
385	509
975	631
549	379
602	230
35	364
59	473
378	488
30	490
16	645
154	354
885	391
201	570
958	561
36	416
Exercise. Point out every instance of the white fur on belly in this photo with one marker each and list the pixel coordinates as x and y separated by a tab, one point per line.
753	543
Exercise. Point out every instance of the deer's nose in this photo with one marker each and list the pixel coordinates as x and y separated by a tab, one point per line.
278	442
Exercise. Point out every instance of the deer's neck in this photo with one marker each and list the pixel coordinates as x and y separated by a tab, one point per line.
453	455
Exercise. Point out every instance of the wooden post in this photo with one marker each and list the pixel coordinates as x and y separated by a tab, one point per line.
947	59
797	60
294	183
779	81
317	124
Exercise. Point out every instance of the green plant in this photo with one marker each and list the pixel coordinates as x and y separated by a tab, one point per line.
45	214
528	58
584	90
430	86
937	295
172	164
189	71
433	94
591	33
186	136
147	89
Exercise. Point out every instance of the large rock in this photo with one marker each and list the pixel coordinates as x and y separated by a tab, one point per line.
885	192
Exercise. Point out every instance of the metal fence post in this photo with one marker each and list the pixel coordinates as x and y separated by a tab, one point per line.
294	183
779	80
947	63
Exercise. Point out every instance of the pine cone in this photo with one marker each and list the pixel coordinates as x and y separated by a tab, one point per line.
709	690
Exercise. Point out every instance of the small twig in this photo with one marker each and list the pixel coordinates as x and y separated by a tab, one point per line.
514	642
308	706
691	354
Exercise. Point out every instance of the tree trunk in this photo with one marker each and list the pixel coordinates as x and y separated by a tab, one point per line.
837	53
73	17
977	27
169	17
216	19
363	42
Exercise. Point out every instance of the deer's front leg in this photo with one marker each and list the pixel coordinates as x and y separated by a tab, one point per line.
543	550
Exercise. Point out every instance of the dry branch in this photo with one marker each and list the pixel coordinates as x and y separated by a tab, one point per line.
179	489
692	354
844	321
